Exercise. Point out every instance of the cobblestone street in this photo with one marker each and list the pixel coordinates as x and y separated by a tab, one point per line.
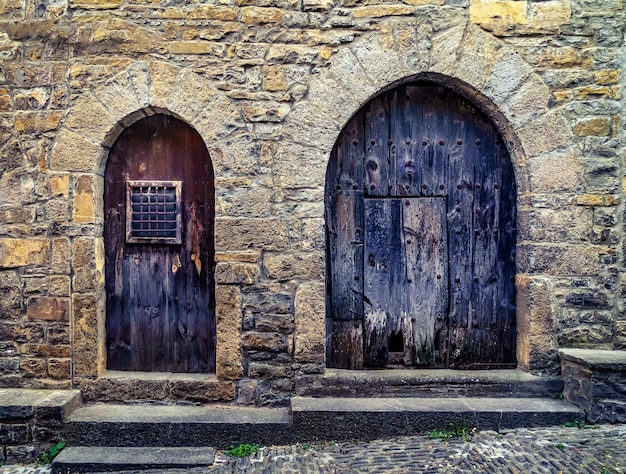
598	449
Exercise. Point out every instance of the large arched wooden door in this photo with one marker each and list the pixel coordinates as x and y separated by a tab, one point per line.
158	232
420	220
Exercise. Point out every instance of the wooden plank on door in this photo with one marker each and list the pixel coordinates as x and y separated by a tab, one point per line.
347	344
382	274
377	148
460	217
406	134
506	296
424	299
438	134
346	255
344	214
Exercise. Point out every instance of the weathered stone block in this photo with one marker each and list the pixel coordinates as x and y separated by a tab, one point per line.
83	208
10	296
229	356
564	260
33	367
256	15
86	309
536	342
270	301
46	350
23	252
54	309
202	392
556	172
377	11
59	368
310	314
268	370
250	234
70	150
264	341
488	11
304	266
236	273
594	126
210	12
274	322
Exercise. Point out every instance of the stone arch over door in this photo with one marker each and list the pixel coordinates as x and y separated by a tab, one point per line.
95	120
420	205
480	68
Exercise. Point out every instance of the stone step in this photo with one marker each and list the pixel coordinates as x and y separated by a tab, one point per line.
106	459
40	404
310	419
428	383
176	425
322	419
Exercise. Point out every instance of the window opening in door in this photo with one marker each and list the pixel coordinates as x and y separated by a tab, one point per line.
153	212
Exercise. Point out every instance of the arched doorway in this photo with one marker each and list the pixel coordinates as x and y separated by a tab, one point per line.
420	230
158	234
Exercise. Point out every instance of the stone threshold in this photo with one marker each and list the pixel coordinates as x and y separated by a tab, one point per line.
428	383
155	387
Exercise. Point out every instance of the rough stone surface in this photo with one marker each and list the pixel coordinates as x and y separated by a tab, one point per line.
269	85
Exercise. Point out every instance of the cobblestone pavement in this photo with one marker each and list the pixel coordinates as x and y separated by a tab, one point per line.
600	450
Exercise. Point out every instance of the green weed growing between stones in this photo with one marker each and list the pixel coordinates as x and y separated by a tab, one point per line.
580	424
49	454
455	429
243	450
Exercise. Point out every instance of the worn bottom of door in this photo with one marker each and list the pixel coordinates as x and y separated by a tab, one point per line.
405	281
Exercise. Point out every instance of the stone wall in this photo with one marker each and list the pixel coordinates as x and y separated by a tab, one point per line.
269	84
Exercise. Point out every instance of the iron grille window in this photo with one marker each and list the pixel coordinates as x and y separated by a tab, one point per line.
153	212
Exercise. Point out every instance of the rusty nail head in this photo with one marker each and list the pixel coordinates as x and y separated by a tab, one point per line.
358	230
424	142
441	186
372	186
438	277
475	279
357	277
407	202
355	186
441	142
373	142
408	241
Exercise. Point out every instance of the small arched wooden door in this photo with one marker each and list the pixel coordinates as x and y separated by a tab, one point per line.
420	225
158	233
